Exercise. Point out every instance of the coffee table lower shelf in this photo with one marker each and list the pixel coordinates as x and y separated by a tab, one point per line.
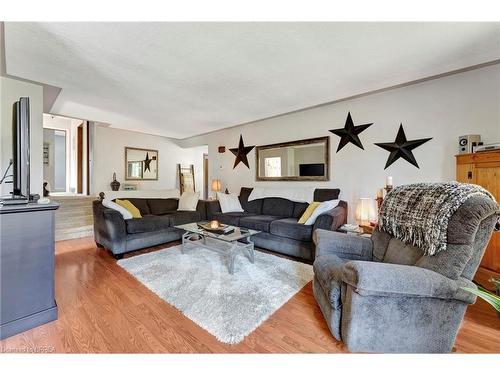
235	247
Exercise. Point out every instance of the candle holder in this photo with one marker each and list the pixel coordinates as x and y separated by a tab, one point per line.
214	224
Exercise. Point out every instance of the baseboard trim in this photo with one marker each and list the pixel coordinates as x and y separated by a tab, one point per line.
28	322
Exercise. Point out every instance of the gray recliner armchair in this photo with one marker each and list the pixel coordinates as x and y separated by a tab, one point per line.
379	294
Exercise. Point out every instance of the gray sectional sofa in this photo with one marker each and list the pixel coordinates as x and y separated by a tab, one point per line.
159	216
276	218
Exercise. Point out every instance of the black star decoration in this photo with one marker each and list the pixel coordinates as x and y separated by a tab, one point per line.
241	153
349	133
401	148
147	163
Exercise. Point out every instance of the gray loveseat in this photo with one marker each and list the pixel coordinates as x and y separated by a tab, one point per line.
277	219
380	295
159	216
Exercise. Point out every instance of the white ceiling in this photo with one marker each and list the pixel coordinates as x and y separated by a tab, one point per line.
184	79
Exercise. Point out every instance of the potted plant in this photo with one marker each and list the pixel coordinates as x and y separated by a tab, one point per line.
491	298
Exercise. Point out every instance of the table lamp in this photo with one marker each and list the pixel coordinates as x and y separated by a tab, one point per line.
216	185
365	212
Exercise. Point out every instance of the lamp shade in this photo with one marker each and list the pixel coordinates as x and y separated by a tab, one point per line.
365	211
216	185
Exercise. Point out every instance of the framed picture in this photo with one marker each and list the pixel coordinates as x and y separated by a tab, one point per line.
46	153
141	164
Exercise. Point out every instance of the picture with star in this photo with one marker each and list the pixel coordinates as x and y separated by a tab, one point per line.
402	148
141	164
349	133
241	153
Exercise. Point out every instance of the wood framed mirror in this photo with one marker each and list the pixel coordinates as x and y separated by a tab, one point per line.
303	160
141	164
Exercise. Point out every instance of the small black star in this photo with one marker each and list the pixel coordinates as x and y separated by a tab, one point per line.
147	163
241	153
401	148
349	133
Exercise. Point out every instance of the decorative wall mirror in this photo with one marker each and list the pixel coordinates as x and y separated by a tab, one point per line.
141	164
304	160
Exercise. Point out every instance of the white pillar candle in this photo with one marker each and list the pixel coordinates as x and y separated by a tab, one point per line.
388	181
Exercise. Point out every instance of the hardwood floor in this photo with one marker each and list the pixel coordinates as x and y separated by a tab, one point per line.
102	309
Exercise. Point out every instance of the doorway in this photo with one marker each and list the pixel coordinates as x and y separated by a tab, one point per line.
205	176
65	155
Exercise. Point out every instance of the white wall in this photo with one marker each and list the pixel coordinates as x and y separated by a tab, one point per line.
109	157
11	90
444	109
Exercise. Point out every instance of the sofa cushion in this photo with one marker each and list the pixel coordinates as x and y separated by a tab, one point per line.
278	207
148	223
230	218
159	206
290	228
259	222
299	208
328	271
141	204
321	195
183	217
254	207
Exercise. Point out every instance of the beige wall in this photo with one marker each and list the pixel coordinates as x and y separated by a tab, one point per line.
444	109
109	157
11	90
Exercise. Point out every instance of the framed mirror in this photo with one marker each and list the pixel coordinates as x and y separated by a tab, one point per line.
304	160
141	164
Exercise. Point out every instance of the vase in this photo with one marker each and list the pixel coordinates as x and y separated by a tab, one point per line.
115	185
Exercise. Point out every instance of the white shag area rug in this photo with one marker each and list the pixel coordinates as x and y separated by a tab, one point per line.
228	306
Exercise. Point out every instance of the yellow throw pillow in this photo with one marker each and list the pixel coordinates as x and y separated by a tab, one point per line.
125	203
308	212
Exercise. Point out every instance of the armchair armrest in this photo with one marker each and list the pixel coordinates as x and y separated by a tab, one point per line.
342	245
386	279
332	219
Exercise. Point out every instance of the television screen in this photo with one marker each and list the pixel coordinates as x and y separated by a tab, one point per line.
21	148
312	169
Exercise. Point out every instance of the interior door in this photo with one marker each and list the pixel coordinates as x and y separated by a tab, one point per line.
79	159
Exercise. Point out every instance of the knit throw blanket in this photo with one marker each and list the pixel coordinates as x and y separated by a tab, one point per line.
418	213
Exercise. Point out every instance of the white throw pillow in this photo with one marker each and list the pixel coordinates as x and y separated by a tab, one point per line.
188	201
321	209
115	206
229	203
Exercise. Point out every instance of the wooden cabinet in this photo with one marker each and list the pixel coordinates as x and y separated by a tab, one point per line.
484	169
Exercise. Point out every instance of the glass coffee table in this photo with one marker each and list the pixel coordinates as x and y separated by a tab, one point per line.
231	243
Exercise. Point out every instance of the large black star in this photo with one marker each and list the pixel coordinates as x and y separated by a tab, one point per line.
241	153
401	148
147	163
349	133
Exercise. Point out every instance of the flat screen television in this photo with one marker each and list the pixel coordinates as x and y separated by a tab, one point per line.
21	149
312	169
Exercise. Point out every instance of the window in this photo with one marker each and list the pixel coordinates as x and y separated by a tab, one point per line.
272	167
